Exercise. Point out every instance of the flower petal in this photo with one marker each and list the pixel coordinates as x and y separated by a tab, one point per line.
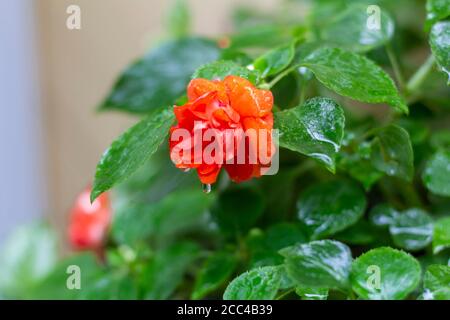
247	100
199	87
208	173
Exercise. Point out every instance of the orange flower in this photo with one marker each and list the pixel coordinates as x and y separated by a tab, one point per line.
233	119
89	223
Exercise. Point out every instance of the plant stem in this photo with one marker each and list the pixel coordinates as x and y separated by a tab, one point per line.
281	76
303	88
395	66
419	77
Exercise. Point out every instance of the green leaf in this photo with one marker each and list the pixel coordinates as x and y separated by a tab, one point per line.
436	283
131	150
153	181
256	284
281	235
417	129
350	29
437	10
176	213
178	20
221	69
329	207
307	293
320	264
165	272
275	60
441	235
440	45
216	270
236	56
359	166
314	129
160	77
412	230
354	76
55	285
392	152
398	274
237	210
27	257
383	215
437	172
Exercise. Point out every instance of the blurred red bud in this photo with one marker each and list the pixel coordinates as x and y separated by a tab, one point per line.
89	223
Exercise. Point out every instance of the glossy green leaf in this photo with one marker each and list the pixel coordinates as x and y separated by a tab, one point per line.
357	30
329	207
131	150
436	283
359	166
392	152
216	270
354	76
256	284
417	129
275	60
437	172
154	180
385	274
160	77
412	230
320	264
437	10
221	69
166	270
383	215
441	235
440	45
178	20
315	129
28	255
237	210
178	212
307	293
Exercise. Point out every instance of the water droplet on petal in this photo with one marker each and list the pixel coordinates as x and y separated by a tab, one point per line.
206	188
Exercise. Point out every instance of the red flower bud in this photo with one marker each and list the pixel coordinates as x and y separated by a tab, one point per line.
233	114
89	222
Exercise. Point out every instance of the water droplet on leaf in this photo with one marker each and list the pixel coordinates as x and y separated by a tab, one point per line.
206	188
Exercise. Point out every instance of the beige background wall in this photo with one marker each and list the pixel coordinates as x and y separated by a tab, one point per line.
79	66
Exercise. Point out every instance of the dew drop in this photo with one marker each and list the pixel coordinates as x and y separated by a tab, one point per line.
206	188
